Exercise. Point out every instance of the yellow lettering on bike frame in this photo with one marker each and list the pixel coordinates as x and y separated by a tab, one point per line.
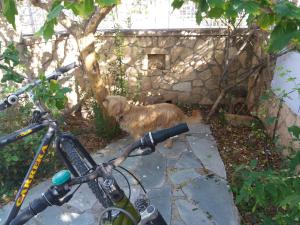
24	133
30	178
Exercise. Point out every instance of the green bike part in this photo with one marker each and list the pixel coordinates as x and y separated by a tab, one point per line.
61	177
122	219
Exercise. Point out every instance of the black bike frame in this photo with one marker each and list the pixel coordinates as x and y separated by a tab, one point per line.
40	153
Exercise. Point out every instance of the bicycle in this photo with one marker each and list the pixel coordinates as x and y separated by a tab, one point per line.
118	208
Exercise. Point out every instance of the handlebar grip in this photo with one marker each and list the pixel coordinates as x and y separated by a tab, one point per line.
36	206
162	135
66	68
4	105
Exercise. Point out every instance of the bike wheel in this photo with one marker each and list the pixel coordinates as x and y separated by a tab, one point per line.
80	163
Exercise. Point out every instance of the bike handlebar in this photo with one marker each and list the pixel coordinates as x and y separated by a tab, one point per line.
53	196
36	206
151	139
54	75
162	135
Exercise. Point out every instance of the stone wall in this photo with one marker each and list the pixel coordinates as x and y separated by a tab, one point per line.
174	65
181	66
286	119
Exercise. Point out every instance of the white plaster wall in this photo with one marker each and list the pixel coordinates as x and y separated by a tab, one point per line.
290	65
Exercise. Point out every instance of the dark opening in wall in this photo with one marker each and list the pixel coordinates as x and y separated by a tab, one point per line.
156	61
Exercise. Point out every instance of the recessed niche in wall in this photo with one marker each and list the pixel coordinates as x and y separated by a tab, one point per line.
156	61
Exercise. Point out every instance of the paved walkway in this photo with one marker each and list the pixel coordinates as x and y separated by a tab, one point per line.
186	183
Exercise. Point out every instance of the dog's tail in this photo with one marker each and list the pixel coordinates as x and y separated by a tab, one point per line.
195	118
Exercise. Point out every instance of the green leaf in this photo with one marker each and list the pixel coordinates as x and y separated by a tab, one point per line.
295	131
89	6
176	4
265	20
291	200
282	35
199	16
12	76
215	12
271	120
216	3
11	54
10	11
106	3
54	13
286	9
202	5
251	7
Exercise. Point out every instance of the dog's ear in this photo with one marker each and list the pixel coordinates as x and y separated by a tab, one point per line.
105	103
117	109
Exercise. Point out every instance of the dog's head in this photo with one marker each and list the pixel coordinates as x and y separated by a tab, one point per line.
116	105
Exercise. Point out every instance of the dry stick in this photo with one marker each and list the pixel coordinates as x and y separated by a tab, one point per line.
277	118
225	90
228	62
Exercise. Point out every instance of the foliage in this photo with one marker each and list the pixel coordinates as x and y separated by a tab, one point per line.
281	19
105	128
117	67
16	157
273	196
51	94
10	60
83	8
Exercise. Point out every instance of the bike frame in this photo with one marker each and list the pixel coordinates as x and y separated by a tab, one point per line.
52	132
35	164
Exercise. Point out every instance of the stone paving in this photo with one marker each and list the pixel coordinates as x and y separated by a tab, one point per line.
186	183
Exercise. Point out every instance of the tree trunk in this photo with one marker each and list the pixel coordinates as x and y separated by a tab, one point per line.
91	67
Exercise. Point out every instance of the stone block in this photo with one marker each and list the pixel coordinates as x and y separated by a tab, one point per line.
216	71
200	44
211	84
146	83
219	56
232	52
204	75
197	83
170	96
197	217
212	195
165	86
189	74
208	154
184	97
242	58
206	101
144	42
186	52
183	86
189	42
200	65
176	53
166	42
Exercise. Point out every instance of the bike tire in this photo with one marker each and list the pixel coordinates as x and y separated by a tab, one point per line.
77	160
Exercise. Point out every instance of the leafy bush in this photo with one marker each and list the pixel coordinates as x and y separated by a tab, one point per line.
105	127
16	157
272	195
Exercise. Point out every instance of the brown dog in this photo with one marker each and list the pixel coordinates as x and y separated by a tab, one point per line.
137	120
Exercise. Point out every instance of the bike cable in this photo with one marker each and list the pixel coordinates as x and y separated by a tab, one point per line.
137	180
128	214
127	181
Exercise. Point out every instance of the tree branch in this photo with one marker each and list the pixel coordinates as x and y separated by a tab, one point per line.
71	26
96	18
